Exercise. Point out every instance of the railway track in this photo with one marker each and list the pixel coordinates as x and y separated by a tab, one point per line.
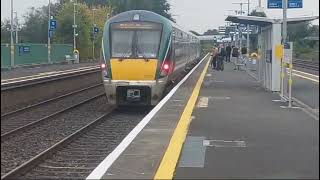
13	83
78	154
305	64
18	93
23	109
29	116
27	143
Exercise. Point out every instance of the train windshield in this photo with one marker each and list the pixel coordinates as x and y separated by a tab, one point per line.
135	39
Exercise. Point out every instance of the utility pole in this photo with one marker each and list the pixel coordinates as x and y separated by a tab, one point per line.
11	38
49	43
248	32
284	41
284	27
16	26
93	34
74	25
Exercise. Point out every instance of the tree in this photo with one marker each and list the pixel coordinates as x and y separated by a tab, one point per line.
5	33
211	32
259	14
161	7
35	28
84	21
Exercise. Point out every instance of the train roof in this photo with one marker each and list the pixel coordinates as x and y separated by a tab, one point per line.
147	16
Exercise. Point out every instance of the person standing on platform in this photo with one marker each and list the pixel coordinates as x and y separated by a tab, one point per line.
228	50
214	57
221	55
235	56
244	55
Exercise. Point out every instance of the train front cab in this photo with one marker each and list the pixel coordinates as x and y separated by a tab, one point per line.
132	75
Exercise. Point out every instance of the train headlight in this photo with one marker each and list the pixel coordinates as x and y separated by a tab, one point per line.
103	66
165	69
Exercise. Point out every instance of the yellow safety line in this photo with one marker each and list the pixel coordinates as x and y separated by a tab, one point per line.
171	156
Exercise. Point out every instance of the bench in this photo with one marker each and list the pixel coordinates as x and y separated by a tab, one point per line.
70	59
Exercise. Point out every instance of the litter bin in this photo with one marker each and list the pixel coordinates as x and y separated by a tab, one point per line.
76	56
253	62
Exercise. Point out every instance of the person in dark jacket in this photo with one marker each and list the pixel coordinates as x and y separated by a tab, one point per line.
221	55
228	50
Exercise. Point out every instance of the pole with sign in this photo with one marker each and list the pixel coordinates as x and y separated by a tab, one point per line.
287	57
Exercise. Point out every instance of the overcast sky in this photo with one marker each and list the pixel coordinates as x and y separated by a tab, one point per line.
198	15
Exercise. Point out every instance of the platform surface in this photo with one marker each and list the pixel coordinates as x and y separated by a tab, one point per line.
239	132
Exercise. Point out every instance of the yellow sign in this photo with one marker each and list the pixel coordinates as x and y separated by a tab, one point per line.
279	51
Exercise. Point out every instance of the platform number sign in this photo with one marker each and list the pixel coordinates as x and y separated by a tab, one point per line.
53	24
277	4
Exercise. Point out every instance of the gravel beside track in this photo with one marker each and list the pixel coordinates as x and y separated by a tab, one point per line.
20	148
22	118
83	154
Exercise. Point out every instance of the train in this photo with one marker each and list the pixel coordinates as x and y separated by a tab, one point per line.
142	52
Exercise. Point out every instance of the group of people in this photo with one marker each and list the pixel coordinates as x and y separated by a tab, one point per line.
221	53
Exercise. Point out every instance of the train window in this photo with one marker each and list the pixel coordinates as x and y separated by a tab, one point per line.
135	40
148	43
122	42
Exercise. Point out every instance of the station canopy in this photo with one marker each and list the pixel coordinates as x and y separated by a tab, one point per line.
264	21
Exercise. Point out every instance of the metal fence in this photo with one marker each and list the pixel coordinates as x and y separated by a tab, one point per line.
31	54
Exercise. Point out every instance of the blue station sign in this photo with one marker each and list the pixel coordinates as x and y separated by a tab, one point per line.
53	24
277	4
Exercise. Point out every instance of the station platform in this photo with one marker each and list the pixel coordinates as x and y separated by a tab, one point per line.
40	70
217	125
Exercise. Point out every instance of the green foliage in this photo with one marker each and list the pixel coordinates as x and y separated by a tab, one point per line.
35	29
161	7
84	21
304	49
5	34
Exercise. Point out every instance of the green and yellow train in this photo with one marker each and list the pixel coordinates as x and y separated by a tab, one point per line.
141	53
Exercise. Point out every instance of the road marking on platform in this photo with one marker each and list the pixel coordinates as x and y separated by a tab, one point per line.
102	168
224	143
220	97
171	156
209	75
203	102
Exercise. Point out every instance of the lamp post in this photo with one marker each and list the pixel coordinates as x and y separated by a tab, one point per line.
49	40
16	26
93	34
248	31
11	37
74	25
